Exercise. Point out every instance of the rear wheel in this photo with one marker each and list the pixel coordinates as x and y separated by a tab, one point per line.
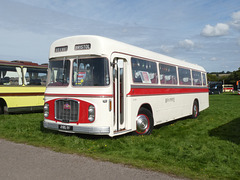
195	109
144	122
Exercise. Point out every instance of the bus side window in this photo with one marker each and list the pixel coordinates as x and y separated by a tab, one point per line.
168	74
10	75
34	76
4	81
197	78
144	71
184	76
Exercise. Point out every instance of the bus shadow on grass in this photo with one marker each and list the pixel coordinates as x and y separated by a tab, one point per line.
229	132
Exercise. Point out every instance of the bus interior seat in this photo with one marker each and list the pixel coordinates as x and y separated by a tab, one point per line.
35	82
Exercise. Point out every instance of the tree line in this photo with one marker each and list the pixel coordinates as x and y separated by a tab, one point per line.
227	78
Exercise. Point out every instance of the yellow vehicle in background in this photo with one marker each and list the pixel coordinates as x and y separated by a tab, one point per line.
22	86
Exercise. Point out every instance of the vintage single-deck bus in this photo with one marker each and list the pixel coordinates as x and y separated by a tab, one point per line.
22	86
227	88
104	87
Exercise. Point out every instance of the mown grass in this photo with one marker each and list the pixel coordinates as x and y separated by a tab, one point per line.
204	148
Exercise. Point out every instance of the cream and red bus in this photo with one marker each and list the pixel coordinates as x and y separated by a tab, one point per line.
227	87
22	86
101	86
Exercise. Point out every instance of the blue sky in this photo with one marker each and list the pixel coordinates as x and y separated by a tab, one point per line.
203	32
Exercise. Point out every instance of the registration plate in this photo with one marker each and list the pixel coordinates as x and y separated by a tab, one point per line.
65	127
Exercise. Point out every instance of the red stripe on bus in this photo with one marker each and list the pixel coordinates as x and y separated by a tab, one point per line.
79	95
162	91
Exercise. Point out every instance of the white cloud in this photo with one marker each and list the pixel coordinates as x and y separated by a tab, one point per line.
236	15
236	19
219	30
166	48
213	59
238	42
187	44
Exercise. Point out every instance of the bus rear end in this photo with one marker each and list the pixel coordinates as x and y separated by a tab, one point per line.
227	88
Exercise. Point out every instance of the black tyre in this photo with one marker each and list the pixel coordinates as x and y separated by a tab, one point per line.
195	110
1	109
144	122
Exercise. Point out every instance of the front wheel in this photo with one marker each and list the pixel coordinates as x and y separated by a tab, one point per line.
3	109
144	122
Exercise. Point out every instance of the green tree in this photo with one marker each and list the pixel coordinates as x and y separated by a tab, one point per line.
212	77
234	77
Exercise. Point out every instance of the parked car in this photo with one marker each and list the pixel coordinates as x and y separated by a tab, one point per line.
215	87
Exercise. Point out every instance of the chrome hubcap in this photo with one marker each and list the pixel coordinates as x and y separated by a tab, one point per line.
195	110
142	123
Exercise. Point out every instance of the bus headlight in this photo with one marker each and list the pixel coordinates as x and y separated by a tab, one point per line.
91	113
46	109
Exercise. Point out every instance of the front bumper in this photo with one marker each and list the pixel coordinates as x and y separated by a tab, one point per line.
78	129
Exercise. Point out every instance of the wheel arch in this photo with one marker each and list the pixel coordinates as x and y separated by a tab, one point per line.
3	103
148	107
196	100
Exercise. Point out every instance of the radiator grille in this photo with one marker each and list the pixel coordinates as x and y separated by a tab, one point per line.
66	110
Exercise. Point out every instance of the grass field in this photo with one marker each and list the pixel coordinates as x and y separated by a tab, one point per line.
204	148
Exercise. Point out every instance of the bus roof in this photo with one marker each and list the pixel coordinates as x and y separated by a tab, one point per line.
101	46
22	63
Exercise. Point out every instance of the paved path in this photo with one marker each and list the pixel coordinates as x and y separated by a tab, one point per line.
24	162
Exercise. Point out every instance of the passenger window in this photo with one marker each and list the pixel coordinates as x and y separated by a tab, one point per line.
184	76
10	75
168	74
144	71
34	76
197	78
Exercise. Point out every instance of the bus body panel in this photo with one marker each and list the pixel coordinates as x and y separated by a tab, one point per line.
168	107
23	98
103	116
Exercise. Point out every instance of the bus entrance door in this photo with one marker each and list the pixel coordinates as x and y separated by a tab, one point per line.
119	95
